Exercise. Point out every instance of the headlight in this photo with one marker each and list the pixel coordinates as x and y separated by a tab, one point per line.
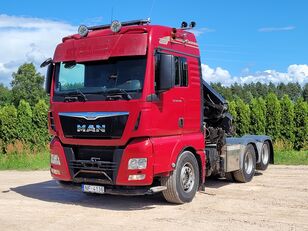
54	159
137	163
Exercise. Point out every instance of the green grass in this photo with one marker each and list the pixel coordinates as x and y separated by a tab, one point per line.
291	157
39	161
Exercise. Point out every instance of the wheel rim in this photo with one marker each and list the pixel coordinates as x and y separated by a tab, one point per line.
248	163
265	154
187	177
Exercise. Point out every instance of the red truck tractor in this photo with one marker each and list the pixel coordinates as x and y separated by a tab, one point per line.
131	114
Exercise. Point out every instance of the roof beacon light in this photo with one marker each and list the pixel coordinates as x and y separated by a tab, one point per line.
192	24
115	26
83	30
184	25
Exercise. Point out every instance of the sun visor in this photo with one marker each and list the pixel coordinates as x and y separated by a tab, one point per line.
101	48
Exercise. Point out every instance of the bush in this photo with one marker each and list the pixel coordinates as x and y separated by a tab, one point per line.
257	118
232	111
8	124
40	123
24	118
301	124
243	118
287	119
22	130
273	116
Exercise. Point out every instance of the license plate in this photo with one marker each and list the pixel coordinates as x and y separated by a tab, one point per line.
93	188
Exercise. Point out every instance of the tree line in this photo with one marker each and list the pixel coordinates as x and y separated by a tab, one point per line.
282	119
247	92
280	111
23	112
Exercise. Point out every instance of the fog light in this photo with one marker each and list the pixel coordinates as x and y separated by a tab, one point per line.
54	159
136	177
55	171
137	163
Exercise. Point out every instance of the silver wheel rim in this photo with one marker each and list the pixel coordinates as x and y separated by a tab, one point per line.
187	177
248	163
265	154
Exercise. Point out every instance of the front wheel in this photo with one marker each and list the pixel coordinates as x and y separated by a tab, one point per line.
183	182
248	167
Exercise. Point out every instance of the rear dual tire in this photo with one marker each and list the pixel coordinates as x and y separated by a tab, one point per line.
265	156
248	166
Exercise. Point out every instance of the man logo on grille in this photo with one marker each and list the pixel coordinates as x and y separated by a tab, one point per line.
91	128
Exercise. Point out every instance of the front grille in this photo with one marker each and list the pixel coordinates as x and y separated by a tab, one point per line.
82	126
93	164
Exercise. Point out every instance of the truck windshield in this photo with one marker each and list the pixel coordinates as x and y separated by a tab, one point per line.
116	75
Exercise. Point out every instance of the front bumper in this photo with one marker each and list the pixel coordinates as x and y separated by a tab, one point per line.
118	190
102	165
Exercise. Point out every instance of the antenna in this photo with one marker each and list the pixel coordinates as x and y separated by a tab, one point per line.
151	9
111	16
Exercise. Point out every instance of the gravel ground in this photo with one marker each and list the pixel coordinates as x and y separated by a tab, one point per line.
276	199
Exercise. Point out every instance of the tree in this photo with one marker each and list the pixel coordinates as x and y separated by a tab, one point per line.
287	119
301	123
294	91
257	118
5	95
305	92
232	111
24	118
27	84
243	118
40	111
8	124
273	116
262	104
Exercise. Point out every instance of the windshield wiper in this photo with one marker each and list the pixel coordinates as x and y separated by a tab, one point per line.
112	92
73	95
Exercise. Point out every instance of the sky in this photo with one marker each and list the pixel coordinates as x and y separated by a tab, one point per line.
240	41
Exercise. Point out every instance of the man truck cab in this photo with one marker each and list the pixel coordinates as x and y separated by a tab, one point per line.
131	114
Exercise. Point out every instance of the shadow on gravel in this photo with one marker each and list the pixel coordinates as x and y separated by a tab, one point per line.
212	182
216	182
50	191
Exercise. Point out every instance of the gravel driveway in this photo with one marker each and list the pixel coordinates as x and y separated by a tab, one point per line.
276	199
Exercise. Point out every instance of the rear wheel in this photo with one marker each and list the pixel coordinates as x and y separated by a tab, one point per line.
183	182
265	156
248	167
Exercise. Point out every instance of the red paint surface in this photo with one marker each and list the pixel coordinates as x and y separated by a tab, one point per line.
158	137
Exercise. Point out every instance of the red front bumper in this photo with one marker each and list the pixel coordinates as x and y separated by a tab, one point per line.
138	148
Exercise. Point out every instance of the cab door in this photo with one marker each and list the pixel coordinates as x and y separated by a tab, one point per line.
170	83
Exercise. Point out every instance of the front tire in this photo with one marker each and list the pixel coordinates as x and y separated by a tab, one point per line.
248	167
265	156
183	182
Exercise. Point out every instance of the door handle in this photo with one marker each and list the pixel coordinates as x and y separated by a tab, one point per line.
181	122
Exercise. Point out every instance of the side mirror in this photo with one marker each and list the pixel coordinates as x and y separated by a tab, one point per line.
48	79
46	62
165	72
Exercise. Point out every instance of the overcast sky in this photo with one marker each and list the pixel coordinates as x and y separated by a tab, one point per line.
240	41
